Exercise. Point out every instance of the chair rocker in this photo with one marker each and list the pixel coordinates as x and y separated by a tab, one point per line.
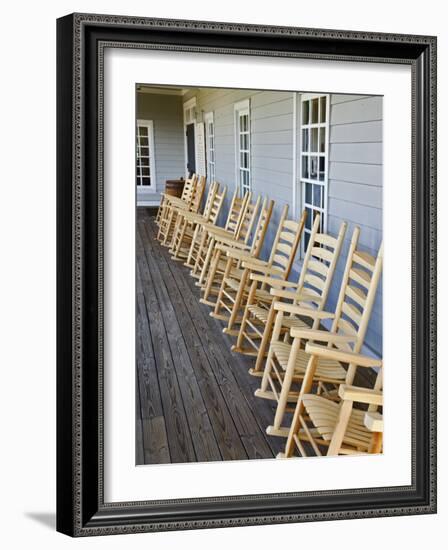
310	292
286	362
235	285
337	428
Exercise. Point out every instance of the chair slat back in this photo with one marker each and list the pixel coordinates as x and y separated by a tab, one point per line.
357	295
197	194
248	219
318	268
237	205
216	204
286	242
212	192
262	227
187	190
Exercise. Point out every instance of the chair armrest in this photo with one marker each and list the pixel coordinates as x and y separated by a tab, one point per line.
242	255
338	355
194	217
320	336
299	310
280	283
230	243
288	295
360	395
373	421
262	267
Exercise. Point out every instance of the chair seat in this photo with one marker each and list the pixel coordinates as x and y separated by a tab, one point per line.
327	368
324	415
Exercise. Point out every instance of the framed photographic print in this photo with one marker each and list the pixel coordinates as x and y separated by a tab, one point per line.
246	274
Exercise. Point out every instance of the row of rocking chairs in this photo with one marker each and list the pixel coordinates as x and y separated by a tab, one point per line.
307	370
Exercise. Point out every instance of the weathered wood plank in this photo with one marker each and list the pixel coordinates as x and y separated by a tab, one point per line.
156	448
177	424
205	443
206	333
193	361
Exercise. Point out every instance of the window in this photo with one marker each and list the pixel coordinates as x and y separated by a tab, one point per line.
145	173
242	127
314	158
210	137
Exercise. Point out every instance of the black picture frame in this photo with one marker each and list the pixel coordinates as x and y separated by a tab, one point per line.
81	39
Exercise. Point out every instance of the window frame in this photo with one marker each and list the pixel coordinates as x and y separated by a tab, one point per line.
240	109
209	118
323	183
149	124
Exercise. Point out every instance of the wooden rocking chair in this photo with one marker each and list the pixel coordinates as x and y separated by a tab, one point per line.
216	261
235	284
199	257
168	222
239	225
336	428
166	199
189	224
221	263
310	292
286	362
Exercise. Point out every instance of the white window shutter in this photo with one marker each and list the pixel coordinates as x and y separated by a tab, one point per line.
200	149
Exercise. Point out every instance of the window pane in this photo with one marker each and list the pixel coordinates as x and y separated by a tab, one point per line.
144	161
305	112
308	193
314	110
323	109
313	168
322	134
314	139
309	218
317	194
144	141
145	171
143	131
305	173
321	168
144	151
307	239
305	138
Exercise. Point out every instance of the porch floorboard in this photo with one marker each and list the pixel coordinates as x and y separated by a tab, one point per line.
195	398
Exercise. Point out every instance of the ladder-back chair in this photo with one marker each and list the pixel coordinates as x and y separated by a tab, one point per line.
332	428
168	223
286	362
235	284
310	292
189	224
221	263
167	199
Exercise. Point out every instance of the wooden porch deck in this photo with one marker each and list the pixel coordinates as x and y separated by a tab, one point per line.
195	398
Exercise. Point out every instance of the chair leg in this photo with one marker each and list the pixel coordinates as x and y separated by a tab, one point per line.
246	315
238	300
207	260
217	308
306	387
286	385
267	333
